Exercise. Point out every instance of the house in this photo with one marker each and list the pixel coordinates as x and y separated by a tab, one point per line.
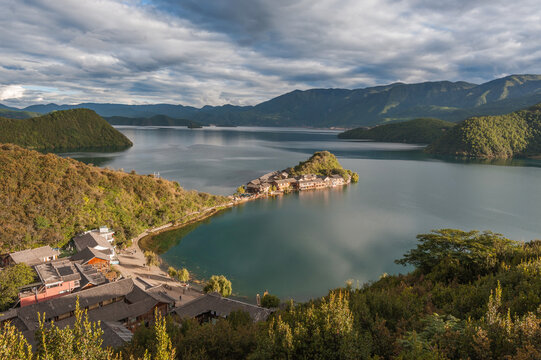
257	186
92	256
284	184
213	305
119	306
57	278
31	257
337	180
308	184
98	241
90	276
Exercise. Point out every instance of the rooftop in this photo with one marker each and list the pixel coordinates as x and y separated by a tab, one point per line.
58	271
90	253
220	306
34	256
90	239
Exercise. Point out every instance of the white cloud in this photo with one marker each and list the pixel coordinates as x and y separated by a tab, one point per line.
11	92
246	51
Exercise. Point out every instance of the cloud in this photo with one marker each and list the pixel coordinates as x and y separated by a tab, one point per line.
11	92
246	51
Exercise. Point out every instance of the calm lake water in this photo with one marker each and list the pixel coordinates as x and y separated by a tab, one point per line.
301	245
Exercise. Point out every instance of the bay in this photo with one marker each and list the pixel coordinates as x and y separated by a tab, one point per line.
301	245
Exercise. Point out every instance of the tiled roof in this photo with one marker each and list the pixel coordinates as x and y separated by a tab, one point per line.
33	256
57	271
88	254
220	306
90	239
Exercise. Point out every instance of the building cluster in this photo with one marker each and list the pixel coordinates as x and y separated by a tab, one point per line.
282	181
120	306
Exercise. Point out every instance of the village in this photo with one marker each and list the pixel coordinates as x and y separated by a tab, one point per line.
280	182
116	288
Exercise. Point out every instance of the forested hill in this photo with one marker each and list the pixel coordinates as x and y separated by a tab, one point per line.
17	114
78	129
452	101
156	120
46	199
517	134
417	131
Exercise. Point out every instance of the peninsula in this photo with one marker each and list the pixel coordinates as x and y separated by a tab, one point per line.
321	171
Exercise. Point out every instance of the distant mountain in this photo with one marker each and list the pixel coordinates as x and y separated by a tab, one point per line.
452	101
79	129
517	134
156	120
417	131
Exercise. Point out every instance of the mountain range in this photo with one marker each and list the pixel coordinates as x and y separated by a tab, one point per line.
452	101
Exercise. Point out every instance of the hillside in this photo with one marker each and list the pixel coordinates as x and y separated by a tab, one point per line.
78	129
451	101
17	114
517	134
156	120
325	164
417	131
46	199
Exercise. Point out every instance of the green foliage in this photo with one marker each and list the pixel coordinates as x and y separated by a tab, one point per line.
172	272
77	129
183	275
321	163
218	284
82	341
152	259
503	136
240	190
17	114
13	344
418	131
270	301
163	349
239	318
46	200
11	279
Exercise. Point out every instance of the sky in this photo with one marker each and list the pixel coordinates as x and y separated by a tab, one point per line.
242	52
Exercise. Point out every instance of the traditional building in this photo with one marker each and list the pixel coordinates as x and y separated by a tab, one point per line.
31	257
120	307
92	256
285	184
213	306
100	240
57	278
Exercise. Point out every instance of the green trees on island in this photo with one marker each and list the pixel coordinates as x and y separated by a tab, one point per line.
47	199
219	284
77	129
325	164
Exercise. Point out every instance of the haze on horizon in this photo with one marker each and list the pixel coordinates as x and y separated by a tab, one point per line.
246	51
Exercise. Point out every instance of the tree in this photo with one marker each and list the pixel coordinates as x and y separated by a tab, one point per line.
13	344
11	279
270	301
172	272
183	275
151	258
163	349
241	190
218	284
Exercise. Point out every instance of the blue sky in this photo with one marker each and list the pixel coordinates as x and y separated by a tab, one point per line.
243	52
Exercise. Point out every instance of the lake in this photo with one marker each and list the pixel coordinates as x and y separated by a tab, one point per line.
301	245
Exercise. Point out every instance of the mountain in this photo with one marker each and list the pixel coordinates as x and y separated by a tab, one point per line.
452	101
517	134
47	199
417	131
156	120
79	129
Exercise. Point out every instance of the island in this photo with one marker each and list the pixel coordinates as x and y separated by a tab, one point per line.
67	130
321	171
517	134
156	120
416	131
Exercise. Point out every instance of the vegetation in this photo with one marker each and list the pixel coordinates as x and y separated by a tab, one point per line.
270	301
325	164
78	129
418	131
11	279
218	284
504	136
183	275
152	259
46	200
156	120
17	114
471	295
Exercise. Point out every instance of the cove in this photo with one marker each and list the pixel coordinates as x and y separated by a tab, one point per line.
301	245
